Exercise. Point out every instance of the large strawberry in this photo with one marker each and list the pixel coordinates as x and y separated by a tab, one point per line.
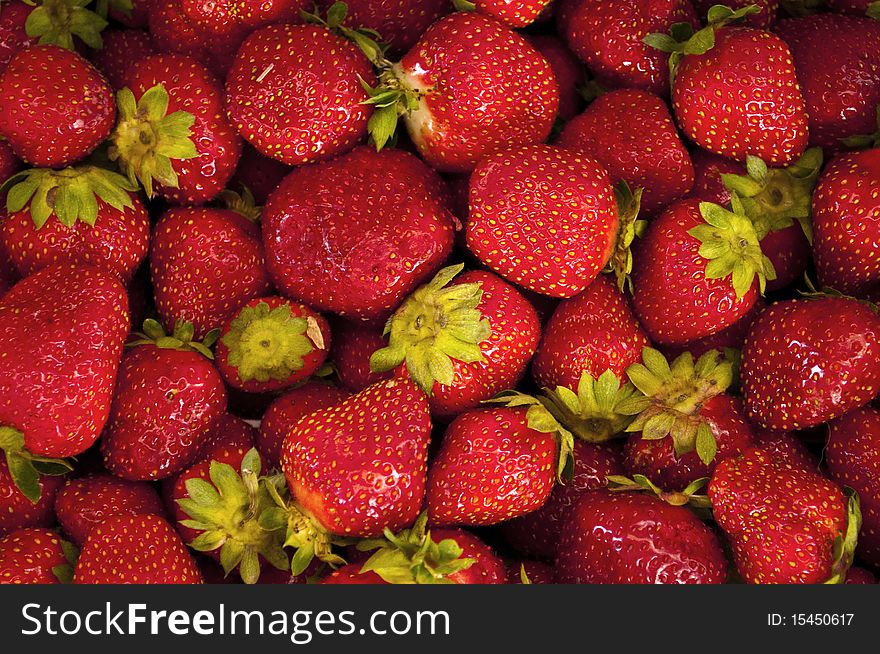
17	510
808	361
34	556
785	525
356	234
554	239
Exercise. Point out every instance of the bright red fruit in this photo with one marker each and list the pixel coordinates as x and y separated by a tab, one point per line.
18	511
786	448
30	556
516	13
567	69
353	345
172	32
121	49
13	36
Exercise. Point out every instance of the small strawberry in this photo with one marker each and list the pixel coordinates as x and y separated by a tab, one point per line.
34	556
353	344
167	397
708	168
18	511
135	549
785	525
808	361
122	48
515	13
857	575
567	69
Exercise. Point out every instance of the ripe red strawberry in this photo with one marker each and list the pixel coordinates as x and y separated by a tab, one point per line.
205	263
786	448
858	7
567	69
697	270
167	397
763	19
17	510
461	341
714	84
838	69
853	456
857	575
708	169
805	362
172	134
135	549
607	35
77	215
9	163
553	240
515	13
32	556
258	173
846	224
287	410
636	538
785	525
228	431
271	343
173	33
353	344
87	501
121	49
631	133
469	87
731	338
522	571
56	22
56	106
286	119
335	236
13	36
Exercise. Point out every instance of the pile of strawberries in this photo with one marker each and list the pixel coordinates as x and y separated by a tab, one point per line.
405	292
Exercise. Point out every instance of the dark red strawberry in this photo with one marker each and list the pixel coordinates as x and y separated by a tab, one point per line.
135	549
55	107
461	341
785	525
636	538
351	574
731	338
86	502
13	36
631	133
17	510
258	173
786	448
567	69
173	33
353	345
521	571
808	361
137	16
121	49
167	397
858	7
356	234
515	13
205	263
763	19
56	22
9	163
857	575
33	556
708	168
228	431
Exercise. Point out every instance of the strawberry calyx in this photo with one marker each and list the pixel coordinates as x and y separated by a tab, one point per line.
413	557
227	511
25	467
437	324
180	339
674	394
56	22
845	544
628	205
71	194
242	203
861	141
730	244
147	138
269	343
873	11
688	496
64	571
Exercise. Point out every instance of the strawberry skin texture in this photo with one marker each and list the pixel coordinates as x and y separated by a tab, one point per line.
138	549
838	67
224	24
27	556
631	133
708	168
13	36
165	402
258	173
9	163
567	69
636	538
225	432
485	89
61	336
280	114
857	575
543	218
805	362
121	49
515	13
853	456
361	466
353	344
846	224
786	448
781	522
732	337
487	568
17	511
205	263
56	106
607	36
491	467
858	7
592	332
173	33
713	98
355	235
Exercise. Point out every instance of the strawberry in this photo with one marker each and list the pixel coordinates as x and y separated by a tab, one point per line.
13	36
167	397
708	168
462	92
172	130
33	556
227	431
173	33
763	19
56	106
785	448
853	456
17	510
529	572
49	22
258	173
846	223
271	343
858	7
137	16
554	239
630	132
122	48
805	362
718	71
636	538
79	215
9	163
205	263
333	232
287	410
85	502
567	69
290	121
353	344
785	525
607	36
856	575
838	69
728	341
461	341
515	13
135	549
